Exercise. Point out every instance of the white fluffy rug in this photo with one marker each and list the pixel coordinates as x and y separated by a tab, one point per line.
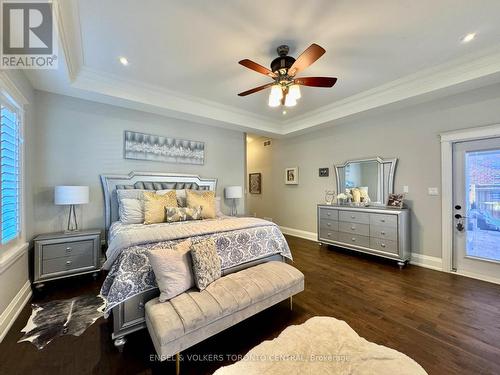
322	345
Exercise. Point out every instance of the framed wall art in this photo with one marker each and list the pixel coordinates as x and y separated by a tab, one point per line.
255	183
142	146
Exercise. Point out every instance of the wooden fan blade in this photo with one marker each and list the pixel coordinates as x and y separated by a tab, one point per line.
257	67
310	55
255	89
316	81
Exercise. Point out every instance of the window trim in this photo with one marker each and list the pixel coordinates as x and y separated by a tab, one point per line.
14	98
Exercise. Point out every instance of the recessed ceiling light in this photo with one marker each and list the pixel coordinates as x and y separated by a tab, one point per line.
124	61
284	112
468	38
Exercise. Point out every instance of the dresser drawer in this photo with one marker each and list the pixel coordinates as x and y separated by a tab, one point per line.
386	220
327	234
354	239
328	213
384	245
68	264
379	231
329	224
354	217
58	250
361	229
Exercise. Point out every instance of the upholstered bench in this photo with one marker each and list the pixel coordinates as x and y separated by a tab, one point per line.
193	316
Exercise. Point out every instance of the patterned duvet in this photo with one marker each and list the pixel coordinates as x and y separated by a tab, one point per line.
130	272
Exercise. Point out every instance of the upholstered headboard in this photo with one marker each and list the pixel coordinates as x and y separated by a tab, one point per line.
147	181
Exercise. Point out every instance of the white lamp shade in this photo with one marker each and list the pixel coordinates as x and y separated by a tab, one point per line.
233	192
64	195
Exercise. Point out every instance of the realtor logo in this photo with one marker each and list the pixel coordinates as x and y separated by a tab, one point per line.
28	35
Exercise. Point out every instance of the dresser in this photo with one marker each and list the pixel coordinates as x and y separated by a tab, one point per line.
60	255
374	230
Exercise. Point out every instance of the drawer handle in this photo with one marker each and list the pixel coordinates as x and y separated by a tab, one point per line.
353	239
382	233
353	228
68	249
382	220
382	244
329	234
68	262
328	214
140	306
353	217
328	224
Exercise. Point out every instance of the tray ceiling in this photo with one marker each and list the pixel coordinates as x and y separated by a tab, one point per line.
183	55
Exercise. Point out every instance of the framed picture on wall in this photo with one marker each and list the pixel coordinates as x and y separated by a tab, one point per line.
292	176
255	183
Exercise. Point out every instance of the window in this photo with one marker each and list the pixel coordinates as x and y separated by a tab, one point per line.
10	169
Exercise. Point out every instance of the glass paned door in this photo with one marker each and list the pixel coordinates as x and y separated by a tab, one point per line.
476	193
482	175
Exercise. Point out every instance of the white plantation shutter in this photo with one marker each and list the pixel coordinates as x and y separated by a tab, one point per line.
10	173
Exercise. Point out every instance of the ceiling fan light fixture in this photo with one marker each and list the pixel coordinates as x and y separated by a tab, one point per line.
273	101
276	92
290	101
294	92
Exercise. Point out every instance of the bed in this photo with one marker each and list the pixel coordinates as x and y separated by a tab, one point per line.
130	282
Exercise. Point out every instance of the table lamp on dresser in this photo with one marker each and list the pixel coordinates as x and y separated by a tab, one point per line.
71	196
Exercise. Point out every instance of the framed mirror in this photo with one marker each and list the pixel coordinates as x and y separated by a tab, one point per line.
375	176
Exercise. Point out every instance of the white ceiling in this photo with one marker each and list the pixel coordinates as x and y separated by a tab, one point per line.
183	54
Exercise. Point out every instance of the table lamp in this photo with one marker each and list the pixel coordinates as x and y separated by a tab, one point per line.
233	192
71	196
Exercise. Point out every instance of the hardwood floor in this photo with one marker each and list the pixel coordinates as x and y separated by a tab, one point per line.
447	323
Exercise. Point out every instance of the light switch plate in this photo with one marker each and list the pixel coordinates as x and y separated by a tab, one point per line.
433	191
406	189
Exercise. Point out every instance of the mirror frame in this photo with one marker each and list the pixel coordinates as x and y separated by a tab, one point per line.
386	171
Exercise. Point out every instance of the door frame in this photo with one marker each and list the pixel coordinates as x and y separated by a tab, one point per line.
447	225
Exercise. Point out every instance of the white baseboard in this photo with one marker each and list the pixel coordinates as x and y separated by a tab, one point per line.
12	311
494	280
434	263
311	236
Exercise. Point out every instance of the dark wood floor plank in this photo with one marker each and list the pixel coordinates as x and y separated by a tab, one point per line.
447	323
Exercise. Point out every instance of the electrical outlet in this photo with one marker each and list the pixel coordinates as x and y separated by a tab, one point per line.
406	189
433	191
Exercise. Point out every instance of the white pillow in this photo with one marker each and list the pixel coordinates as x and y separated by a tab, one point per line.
173	269
130	194
131	211
218	211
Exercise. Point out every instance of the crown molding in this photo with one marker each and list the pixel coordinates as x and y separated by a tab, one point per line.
104	87
444	76
172	103
68	27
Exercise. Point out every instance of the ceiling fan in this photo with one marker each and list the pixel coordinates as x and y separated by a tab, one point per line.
285	88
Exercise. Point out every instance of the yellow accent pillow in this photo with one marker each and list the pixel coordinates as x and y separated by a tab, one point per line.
205	199
154	206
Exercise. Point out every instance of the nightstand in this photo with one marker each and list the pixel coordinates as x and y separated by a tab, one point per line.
61	255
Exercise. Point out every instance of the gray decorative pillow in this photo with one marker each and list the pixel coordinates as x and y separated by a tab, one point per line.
206	262
173	214
172	269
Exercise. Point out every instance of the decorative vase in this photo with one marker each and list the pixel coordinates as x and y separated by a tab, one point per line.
329	196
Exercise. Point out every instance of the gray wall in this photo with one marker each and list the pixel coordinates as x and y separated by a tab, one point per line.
76	140
410	134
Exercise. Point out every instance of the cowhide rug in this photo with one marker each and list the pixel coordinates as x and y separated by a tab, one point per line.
62	317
